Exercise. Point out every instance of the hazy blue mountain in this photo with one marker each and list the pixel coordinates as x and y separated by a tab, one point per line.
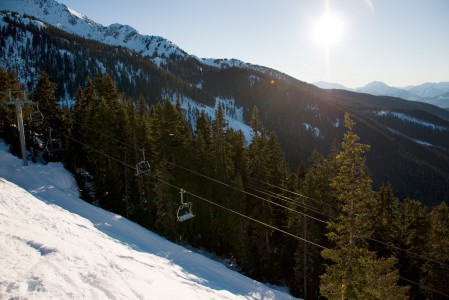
330	85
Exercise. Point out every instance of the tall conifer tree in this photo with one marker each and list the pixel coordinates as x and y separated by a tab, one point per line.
354	272
435	274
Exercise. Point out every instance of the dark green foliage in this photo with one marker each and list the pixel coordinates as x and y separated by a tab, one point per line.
44	95
164	203
8	120
106	132
316	196
434	274
355	272
387	228
289	107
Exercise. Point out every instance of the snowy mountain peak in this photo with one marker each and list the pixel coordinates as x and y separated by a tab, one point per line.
67	19
376	84
380	88
158	49
432	93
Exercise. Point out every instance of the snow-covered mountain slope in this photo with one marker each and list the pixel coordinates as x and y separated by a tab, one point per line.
59	15
55	246
158	49
233	114
429	89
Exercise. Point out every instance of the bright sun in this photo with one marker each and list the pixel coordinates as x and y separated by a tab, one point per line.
329	29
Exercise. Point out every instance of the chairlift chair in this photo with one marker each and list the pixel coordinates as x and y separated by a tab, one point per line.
52	144
143	167
184	212
36	116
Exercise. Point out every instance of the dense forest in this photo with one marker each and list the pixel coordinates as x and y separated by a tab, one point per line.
413	158
322	230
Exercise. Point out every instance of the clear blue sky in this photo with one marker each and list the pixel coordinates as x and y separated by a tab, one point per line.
400	42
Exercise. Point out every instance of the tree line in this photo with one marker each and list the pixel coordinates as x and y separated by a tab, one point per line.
348	241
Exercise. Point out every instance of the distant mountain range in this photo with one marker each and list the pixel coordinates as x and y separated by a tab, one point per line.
409	139
432	93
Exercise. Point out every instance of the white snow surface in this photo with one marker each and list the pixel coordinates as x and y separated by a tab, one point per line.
233	114
55	246
408	118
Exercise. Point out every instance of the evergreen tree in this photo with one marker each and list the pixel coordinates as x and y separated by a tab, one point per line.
45	96
318	196
169	138
203	163
74	155
8	119
434	274
55	118
105	133
164	204
259	248
106	88
203	135
387	227
236	198
355	272
415	227
223	165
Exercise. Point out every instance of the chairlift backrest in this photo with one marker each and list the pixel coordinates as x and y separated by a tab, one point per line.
53	145
36	116
184	211
142	168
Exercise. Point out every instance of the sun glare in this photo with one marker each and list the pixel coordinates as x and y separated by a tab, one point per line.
329	29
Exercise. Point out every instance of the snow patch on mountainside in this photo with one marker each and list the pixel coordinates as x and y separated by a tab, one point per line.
233	113
408	118
315	131
224	63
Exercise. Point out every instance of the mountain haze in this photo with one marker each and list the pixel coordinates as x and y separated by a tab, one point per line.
432	93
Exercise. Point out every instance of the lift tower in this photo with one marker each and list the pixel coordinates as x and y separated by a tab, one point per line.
18	103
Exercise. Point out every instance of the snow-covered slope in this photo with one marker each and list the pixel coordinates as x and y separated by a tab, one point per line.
55	246
429	89
59	15
157	48
233	114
